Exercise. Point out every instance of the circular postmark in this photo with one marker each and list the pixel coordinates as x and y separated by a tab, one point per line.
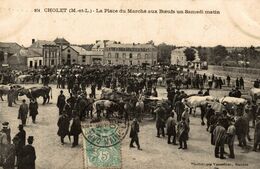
105	133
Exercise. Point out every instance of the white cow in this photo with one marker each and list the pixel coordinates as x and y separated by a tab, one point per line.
255	93
196	101
233	100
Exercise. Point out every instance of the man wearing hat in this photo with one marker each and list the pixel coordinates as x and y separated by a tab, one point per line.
6	129
20	143
134	134
28	155
171	130
9	156
23	112
61	102
257	134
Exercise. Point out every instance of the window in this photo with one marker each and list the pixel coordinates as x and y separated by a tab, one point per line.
124	55
131	62
139	56
83	58
124	62
117	55
130	56
109	55
109	61
68	56
73	60
31	64
146	56
68	50
52	62
138	62
40	62
63	60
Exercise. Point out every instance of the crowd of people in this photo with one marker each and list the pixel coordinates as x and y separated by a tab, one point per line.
172	114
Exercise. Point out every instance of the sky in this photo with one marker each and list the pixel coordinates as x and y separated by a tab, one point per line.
238	23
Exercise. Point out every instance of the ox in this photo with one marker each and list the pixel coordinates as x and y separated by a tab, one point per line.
36	92
107	106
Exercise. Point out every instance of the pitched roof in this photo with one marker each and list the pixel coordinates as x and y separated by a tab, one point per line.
130	45
28	52
87	46
40	43
79	49
61	41
10	47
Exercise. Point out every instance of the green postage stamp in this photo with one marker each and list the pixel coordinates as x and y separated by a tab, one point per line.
102	145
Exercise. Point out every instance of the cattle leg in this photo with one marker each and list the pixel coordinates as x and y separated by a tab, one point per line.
2	97
44	100
48	99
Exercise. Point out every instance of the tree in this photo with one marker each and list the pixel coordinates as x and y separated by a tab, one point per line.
190	54
203	53
219	53
164	53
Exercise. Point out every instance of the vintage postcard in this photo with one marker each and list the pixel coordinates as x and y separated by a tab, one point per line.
129	84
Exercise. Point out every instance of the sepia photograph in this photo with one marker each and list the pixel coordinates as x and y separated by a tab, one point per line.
136	84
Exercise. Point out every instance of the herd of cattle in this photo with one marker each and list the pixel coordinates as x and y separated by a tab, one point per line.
111	98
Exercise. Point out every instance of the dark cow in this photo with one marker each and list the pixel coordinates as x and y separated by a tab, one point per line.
36	92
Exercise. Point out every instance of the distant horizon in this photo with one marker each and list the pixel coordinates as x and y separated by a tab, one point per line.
93	43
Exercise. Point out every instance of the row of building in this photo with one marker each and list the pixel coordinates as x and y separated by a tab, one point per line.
61	52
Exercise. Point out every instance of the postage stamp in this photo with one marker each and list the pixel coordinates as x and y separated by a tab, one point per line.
102	145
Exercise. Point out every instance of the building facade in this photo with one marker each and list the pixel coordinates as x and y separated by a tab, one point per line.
51	55
130	54
179	58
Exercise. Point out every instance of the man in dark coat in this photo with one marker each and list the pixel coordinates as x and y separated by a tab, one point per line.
33	109
179	108
241	131
134	134
183	131
28	155
9	157
257	134
23	112
63	124
10	96
219	140
61	102
209	113
75	130
171	131
20	137
160	121
93	90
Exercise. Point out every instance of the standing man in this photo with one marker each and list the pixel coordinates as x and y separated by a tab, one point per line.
134	134
171	131
33	109
179	108
228	80
6	129
241	82
23	112
231	133
160	123
219	140
10	96
93	90
28	155
9	157
61	102
20	136
183	131
257	134
63	124
75	130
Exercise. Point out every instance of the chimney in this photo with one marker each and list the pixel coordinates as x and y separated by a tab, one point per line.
33	40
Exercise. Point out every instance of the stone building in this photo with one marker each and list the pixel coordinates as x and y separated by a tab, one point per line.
130	54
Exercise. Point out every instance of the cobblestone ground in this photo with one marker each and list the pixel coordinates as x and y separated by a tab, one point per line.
156	152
